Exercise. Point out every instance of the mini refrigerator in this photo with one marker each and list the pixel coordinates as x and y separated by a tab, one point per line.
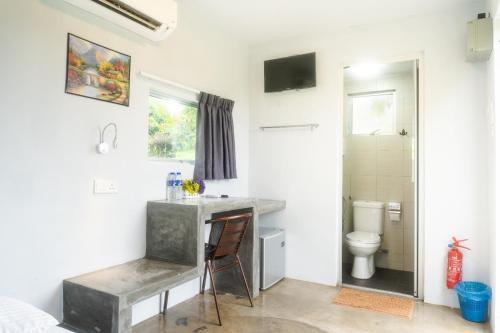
272	256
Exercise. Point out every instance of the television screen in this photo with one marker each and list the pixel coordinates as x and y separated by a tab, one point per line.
295	72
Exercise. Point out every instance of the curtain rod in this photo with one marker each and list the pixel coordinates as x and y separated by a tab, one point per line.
165	81
376	92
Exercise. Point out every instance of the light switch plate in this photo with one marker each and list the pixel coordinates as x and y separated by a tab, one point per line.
105	186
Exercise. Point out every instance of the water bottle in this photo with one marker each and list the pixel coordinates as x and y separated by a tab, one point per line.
178	185
171	186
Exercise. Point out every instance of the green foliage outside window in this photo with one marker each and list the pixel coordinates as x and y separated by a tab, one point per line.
172	129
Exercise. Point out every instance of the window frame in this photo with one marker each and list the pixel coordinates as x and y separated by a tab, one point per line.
351	97
182	96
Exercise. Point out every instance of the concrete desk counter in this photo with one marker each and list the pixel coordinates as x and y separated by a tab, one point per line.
102	301
176	233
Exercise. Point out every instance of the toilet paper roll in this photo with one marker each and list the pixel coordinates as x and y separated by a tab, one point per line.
395	216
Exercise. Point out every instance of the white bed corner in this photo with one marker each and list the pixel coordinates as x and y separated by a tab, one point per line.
19	317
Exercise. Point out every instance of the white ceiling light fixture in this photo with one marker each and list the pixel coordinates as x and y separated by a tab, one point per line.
365	71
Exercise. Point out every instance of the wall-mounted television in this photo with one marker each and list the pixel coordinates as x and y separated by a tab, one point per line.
296	72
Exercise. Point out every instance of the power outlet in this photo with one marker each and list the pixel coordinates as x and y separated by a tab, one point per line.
105	186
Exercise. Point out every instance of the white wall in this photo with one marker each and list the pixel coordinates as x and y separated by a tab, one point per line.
491	99
302	166
492	7
493	115
51	225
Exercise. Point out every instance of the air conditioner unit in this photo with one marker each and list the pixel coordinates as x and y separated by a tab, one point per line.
152	19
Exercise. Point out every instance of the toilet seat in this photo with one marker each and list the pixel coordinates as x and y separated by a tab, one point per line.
363	237
363	245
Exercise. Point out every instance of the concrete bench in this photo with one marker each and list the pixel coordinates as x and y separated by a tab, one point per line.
101	302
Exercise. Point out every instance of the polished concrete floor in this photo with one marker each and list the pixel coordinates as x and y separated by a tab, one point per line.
294	306
383	279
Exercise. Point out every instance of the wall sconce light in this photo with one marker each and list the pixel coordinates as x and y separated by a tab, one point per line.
103	147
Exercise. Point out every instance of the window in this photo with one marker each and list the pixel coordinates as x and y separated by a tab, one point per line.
373	114
172	128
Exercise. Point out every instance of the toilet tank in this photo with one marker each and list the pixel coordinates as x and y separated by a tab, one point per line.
368	216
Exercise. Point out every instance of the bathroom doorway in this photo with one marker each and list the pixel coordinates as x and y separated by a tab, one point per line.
380	177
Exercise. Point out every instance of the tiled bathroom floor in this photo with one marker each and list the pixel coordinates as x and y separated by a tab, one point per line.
383	279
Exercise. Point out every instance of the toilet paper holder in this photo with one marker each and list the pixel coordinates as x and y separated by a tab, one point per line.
394	210
394	206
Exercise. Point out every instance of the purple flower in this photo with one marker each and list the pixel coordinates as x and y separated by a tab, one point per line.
200	182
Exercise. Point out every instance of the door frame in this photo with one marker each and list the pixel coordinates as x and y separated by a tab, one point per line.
418	165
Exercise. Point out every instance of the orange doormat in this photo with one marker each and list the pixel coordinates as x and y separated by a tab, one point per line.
394	305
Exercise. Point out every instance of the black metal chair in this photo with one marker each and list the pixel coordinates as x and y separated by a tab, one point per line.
225	240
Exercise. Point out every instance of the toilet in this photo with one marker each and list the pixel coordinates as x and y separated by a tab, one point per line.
365	240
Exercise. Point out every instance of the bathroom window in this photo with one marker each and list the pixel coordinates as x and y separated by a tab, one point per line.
172	128
373	114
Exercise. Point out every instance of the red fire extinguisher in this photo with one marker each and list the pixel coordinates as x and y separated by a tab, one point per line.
455	257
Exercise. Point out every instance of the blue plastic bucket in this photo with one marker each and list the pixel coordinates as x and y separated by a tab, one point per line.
474	298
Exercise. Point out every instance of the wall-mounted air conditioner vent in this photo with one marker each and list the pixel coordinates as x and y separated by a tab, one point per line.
152	19
123	9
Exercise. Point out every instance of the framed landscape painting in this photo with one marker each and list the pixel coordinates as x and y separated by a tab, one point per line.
98	72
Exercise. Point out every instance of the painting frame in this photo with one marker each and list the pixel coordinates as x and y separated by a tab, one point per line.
107	82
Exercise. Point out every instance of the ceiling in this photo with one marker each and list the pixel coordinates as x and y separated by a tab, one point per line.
259	21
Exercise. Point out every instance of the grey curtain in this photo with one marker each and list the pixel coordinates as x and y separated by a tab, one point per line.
215	153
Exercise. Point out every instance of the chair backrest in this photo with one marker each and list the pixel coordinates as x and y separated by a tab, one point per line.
233	230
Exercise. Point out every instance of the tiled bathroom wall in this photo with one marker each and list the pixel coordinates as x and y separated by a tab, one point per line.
379	167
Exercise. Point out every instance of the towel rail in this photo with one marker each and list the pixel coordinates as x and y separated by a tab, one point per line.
310	126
